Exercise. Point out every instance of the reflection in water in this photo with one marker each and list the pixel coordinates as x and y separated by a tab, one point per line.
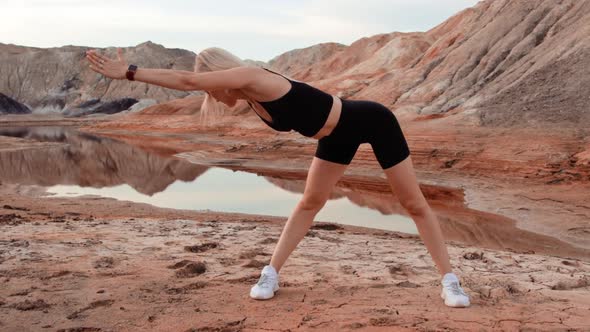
220	189
80	163
89	161
89	164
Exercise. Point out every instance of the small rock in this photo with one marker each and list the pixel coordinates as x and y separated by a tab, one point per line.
30	305
326	226
407	284
201	248
473	255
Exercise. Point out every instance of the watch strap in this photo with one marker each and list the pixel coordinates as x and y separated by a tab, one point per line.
130	74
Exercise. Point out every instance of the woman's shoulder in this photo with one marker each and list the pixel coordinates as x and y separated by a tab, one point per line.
248	70
258	74
267	85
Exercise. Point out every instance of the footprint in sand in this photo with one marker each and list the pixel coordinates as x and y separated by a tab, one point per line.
268	240
180	264
201	247
27	305
401	269
188	269
104	263
383	321
185	289
227	261
93	305
253	263
252	253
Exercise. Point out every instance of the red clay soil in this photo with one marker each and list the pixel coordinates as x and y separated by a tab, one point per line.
98	264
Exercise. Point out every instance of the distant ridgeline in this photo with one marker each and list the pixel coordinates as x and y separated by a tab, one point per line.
499	63
94	106
59	80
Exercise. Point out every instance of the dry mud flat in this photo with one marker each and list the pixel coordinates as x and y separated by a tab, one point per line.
98	264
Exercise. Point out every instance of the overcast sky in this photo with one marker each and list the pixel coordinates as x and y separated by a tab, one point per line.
254	29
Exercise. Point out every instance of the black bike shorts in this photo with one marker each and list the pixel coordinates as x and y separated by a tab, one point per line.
363	121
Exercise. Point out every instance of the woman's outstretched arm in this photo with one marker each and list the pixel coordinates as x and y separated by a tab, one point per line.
234	78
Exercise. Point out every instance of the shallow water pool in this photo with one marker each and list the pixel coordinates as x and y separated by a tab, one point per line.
219	189
75	163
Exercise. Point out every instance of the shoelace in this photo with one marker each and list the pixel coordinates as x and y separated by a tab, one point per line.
456	289
265	280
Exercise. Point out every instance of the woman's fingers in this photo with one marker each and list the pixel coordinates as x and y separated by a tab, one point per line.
98	56
94	68
108	67
94	61
96	65
102	58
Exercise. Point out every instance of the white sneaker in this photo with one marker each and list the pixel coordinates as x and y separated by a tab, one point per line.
452	293
267	285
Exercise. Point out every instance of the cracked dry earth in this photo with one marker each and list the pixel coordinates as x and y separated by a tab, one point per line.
74	265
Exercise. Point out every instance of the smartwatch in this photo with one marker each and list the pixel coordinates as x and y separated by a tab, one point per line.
131	72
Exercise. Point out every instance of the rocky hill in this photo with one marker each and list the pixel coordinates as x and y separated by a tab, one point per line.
11	106
503	62
59	80
499	63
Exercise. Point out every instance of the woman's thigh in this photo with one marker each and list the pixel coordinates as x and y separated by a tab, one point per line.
403	182
321	178
386	137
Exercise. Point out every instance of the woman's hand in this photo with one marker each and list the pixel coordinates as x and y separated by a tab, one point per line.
111	68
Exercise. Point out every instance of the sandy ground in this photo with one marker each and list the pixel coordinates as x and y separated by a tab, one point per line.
98	264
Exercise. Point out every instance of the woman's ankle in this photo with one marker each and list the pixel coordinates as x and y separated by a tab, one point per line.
450	276
274	267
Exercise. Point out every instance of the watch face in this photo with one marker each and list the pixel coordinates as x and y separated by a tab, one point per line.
131	72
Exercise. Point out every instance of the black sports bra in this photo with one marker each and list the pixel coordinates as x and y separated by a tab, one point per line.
303	108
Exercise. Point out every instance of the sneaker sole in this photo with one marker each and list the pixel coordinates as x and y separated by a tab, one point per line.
453	306
266	298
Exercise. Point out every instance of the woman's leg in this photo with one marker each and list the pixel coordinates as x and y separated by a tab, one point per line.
321	178
402	180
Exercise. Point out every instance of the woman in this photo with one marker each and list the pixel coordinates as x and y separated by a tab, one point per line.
338	125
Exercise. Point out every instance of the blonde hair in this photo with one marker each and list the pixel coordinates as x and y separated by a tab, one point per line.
213	59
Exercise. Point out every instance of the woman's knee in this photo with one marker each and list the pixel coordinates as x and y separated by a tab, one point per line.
312	202
416	206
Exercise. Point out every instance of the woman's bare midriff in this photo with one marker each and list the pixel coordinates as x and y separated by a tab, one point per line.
332	120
